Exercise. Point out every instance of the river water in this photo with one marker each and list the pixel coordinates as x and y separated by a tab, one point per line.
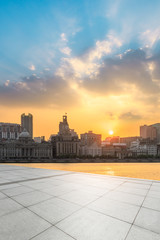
135	170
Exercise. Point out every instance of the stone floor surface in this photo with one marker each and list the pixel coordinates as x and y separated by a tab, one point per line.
43	204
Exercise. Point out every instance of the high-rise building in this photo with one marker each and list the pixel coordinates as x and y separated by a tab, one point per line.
27	123
149	132
9	130
157	127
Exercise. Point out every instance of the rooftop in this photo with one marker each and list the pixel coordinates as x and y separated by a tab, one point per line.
43	204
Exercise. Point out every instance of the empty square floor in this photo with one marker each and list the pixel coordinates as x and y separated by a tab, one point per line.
43	204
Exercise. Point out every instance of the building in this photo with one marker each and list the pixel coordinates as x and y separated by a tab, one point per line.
129	140
27	123
66	143
157	127
90	144
24	148
149	132
115	150
110	140
93	150
144	147
87	139
39	139
9	130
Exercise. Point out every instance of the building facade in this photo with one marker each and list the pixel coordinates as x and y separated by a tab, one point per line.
93	150
9	130
115	150
27	123
24	148
129	140
149	132
66	142
144	147
157	127
87	139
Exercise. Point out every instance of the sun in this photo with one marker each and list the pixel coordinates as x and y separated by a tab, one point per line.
111	132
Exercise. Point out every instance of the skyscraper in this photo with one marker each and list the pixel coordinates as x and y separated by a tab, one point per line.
149	132
27	123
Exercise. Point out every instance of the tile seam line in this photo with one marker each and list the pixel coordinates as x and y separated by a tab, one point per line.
138	212
50	228
86	207
32	179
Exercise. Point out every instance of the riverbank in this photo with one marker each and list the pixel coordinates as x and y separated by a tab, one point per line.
83	160
134	170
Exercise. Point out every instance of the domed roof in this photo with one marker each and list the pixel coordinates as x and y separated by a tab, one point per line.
24	134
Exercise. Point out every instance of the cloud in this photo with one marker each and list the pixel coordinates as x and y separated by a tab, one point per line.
66	50
129	116
89	63
150	37
105	70
34	91
32	67
63	37
7	83
122	75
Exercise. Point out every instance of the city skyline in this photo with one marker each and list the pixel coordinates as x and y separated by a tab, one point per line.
97	60
145	131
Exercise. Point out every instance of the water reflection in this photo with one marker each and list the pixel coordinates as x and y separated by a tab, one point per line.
110	173
135	170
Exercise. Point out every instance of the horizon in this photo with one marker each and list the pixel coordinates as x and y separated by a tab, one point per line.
97	60
110	134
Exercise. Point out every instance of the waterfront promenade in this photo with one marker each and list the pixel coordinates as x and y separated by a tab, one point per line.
43	204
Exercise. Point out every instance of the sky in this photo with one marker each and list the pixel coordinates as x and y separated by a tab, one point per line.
97	60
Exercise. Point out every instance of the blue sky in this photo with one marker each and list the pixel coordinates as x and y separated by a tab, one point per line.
30	30
61	54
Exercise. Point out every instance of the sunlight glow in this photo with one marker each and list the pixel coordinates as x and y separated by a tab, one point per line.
111	132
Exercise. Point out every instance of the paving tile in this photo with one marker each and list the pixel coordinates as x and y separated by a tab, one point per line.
21	225
86	224
2	195
148	219
136	185
59	190
37	185
157	184
16	191
153	194
95	190
54	210
137	233
125	197
31	198
2	181
155	188
53	233
55	182
138	191
79	197
9	186
117	209
153	203
7	205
